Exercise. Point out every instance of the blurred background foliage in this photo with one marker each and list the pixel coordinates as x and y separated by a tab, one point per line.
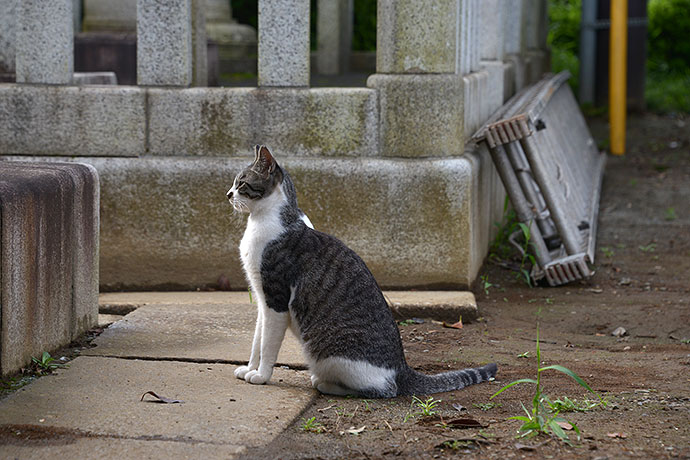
668	43
668	50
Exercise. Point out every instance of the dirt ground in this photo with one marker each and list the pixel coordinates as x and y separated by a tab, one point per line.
641	283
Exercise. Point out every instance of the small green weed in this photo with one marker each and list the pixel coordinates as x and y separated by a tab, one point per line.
457	444
544	416
651	247
524	355
46	363
312	426
487	406
11	384
670	214
608	252
526	256
503	247
485	284
572	405
426	407
406	322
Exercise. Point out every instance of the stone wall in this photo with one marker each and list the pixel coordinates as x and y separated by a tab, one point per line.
386	168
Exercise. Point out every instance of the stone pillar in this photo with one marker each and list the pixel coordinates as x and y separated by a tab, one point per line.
514	29
475	53
334	35
492	29
45	42
416	37
8	21
199	48
420	93
76	16
236	42
283	43
164	42
468	40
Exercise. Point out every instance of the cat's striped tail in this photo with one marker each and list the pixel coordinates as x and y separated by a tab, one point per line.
411	382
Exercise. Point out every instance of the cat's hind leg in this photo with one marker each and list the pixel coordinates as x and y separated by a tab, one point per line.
329	388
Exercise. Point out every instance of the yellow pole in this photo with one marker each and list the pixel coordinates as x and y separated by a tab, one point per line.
618	53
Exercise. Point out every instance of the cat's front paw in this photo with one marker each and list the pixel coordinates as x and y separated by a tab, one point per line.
256	378
241	371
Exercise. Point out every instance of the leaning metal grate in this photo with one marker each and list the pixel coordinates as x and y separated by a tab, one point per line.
552	170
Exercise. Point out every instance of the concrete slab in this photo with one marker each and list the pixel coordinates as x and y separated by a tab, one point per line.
97	400
220	332
439	305
73	446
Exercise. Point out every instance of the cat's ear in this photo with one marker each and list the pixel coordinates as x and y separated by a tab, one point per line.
264	163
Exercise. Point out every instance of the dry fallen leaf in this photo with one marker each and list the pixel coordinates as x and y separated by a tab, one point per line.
565	425
161	399
355	431
457	325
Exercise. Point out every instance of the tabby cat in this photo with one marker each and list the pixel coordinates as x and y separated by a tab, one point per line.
311	282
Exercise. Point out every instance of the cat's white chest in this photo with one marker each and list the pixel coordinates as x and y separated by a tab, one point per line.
256	237
262	228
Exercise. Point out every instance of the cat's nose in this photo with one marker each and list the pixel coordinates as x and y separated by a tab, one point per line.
229	194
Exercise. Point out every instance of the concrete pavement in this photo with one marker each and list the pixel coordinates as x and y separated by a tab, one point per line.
183	346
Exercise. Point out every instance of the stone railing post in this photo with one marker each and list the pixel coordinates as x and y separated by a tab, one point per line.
420	91
8	25
165	55
283	43
45	42
469	46
492	29
334	35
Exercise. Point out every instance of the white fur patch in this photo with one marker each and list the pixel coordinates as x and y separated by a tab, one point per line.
356	375
306	220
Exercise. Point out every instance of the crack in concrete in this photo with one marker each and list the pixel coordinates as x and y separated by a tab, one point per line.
198	361
23	435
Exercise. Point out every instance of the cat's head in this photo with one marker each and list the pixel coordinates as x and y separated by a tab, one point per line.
262	179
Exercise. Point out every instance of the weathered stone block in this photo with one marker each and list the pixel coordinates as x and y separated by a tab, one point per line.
166	221
164	42
48	257
94	78
420	115
45	42
226	122
283	43
53	120
416	37
496	80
